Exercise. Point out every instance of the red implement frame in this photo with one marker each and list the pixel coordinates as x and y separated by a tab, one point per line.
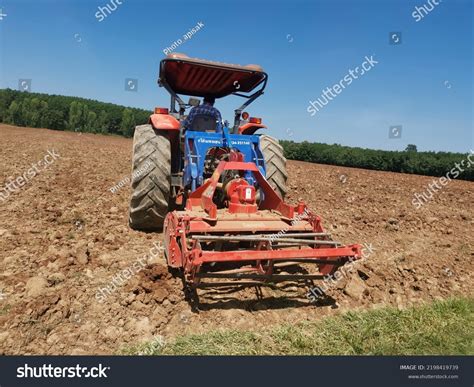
249	246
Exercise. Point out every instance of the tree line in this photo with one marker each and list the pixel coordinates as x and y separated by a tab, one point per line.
79	114
408	161
68	113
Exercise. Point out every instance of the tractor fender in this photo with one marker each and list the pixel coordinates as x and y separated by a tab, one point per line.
164	122
250	128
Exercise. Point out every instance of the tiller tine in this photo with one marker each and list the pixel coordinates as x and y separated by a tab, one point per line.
256	239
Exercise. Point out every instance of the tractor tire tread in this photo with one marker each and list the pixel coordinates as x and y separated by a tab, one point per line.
151	179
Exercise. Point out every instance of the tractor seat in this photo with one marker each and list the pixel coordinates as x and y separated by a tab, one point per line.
204	123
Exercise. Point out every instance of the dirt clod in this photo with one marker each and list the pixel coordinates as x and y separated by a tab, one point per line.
36	286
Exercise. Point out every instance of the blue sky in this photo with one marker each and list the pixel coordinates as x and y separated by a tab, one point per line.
424	84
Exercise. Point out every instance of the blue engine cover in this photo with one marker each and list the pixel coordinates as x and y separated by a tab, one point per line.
196	145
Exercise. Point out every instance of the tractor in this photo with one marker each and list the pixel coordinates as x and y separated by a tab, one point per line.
217	190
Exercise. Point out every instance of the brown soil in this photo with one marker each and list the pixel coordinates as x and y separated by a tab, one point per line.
64	235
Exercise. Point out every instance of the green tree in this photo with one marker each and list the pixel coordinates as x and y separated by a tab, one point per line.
7	96
102	122
128	122
91	122
84	117
75	115
43	120
35	112
53	119
13	115
26	112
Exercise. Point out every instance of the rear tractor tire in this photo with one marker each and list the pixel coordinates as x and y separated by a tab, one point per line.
275	164
151	179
